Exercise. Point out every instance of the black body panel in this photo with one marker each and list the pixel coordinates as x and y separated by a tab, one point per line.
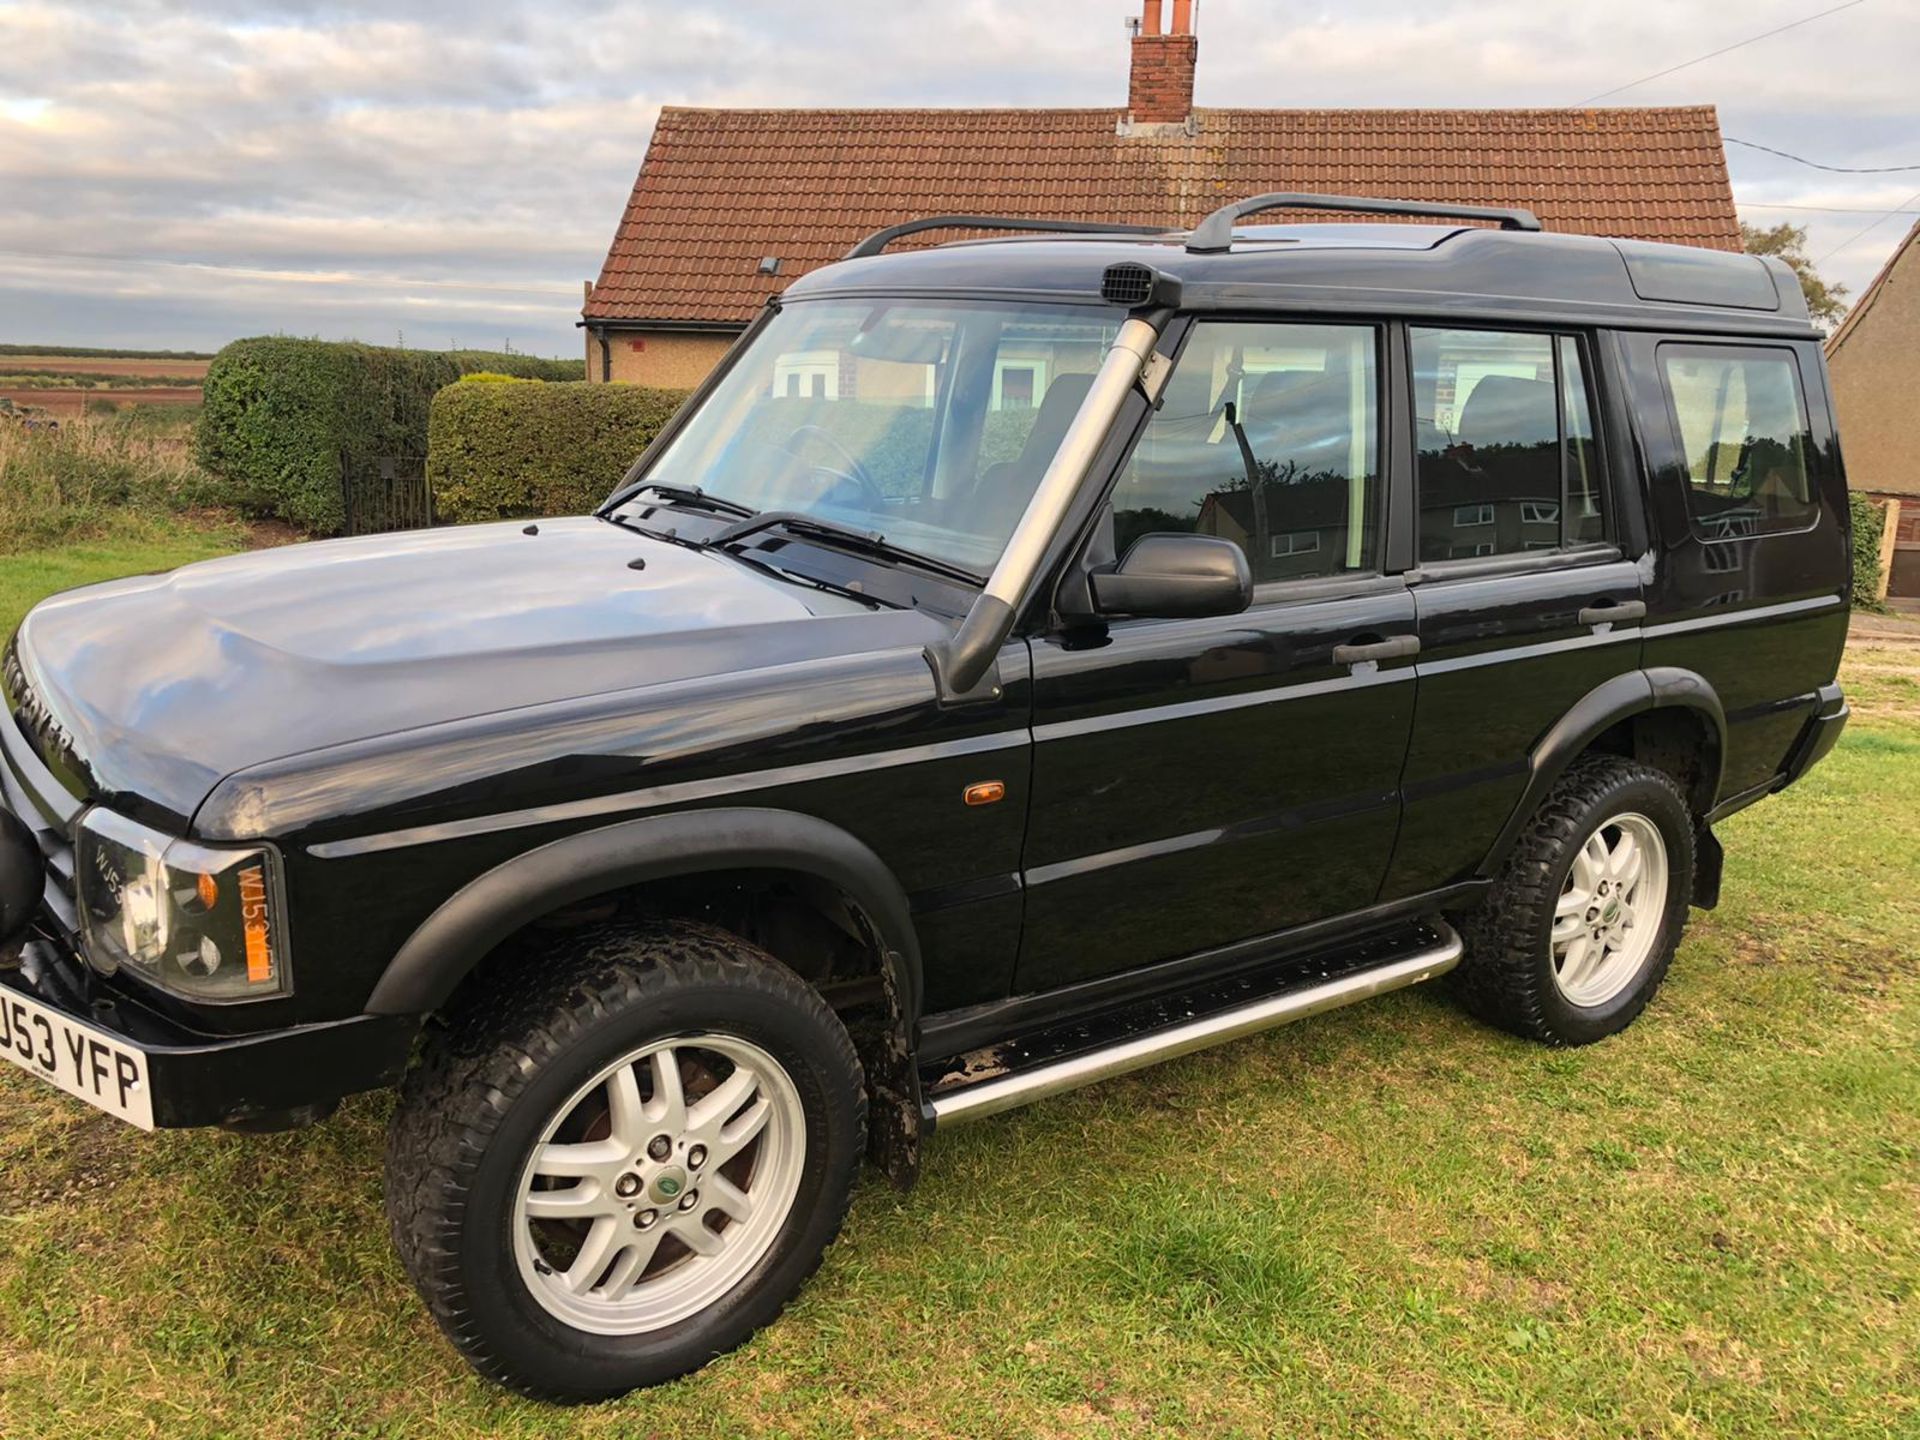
1200	782
1502	657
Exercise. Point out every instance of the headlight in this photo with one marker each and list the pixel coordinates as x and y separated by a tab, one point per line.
204	924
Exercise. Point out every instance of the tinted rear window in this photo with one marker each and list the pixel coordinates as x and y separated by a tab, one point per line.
1742	425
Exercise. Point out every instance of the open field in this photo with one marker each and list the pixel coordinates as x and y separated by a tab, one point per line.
172	369
1388	1221
96	352
69	385
68	404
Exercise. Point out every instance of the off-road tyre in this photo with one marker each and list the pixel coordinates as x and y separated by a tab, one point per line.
1507	974
491	1073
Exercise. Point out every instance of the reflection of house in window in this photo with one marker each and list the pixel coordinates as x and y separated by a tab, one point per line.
1468	552
1289	531
1539	512
1298	542
808	375
1465	515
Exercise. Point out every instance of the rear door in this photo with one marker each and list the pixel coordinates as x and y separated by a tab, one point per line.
1525	599
1199	783
1752	509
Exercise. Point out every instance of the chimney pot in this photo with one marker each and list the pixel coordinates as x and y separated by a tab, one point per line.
1150	24
1183	17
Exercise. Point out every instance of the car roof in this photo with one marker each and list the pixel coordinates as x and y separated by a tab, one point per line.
1368	268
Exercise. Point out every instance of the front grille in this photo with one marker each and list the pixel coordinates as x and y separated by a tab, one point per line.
29	790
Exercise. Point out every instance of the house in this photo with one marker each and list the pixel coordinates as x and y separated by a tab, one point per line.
1875	360
732	205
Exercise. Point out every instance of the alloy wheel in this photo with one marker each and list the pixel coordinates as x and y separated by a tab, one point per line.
1607	920
658	1186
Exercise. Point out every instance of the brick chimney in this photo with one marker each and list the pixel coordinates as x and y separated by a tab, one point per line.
1163	65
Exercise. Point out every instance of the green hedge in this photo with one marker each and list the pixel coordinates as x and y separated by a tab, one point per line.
285	421
1869	522
502	451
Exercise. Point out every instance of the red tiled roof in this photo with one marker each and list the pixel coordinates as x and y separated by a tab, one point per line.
721	189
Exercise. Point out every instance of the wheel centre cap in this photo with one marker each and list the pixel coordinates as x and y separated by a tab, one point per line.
669	1185
1611	915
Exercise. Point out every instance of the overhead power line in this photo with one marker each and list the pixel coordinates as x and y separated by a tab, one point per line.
1825	209
1816	165
1724	50
1862	234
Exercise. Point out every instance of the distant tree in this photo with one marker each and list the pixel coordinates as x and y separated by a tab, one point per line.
1827	303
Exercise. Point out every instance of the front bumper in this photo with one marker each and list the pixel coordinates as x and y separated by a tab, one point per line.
264	1081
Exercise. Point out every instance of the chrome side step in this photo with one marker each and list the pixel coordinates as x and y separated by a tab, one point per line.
973	1100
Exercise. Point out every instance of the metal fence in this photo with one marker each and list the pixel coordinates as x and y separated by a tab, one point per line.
385	492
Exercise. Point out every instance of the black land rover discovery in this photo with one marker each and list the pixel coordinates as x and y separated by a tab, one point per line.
1022	661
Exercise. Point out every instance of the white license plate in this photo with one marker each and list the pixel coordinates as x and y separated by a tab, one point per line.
81	1060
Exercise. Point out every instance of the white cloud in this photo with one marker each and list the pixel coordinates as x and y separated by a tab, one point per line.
352	166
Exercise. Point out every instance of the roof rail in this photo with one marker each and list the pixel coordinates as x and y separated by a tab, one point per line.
881	239
1215	233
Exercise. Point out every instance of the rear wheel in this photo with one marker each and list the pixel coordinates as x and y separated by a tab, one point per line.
605	1173
1583	921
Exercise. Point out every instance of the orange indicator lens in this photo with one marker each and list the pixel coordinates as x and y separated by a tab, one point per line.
253	918
209	891
986	792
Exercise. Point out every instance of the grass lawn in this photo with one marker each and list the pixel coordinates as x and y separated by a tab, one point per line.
1388	1221
25	579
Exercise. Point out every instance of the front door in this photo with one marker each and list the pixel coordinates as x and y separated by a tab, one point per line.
1198	783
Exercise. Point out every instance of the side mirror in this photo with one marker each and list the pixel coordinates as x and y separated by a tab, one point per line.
1176	577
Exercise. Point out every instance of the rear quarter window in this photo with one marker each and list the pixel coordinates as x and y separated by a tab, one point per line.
1741	420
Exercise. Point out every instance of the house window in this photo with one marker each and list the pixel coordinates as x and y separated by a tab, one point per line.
1019	380
1506	445
809	375
1299	542
1017	388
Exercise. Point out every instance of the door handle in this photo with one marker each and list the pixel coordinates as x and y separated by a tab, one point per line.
1613	612
1394	647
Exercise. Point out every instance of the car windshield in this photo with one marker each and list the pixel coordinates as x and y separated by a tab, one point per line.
931	424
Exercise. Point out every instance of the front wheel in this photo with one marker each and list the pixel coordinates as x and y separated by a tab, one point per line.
625	1160
1583	921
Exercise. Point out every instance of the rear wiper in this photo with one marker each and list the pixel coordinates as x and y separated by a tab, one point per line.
692	497
866	542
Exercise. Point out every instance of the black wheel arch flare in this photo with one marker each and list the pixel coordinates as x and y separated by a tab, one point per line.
493	906
1624	696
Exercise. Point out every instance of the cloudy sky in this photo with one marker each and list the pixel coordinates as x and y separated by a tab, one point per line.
176	174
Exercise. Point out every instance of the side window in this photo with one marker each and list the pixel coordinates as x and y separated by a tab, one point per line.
1268	435
1743	435
1508	461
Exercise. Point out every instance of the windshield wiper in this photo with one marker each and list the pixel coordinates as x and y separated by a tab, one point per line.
669	534
691	497
866	542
